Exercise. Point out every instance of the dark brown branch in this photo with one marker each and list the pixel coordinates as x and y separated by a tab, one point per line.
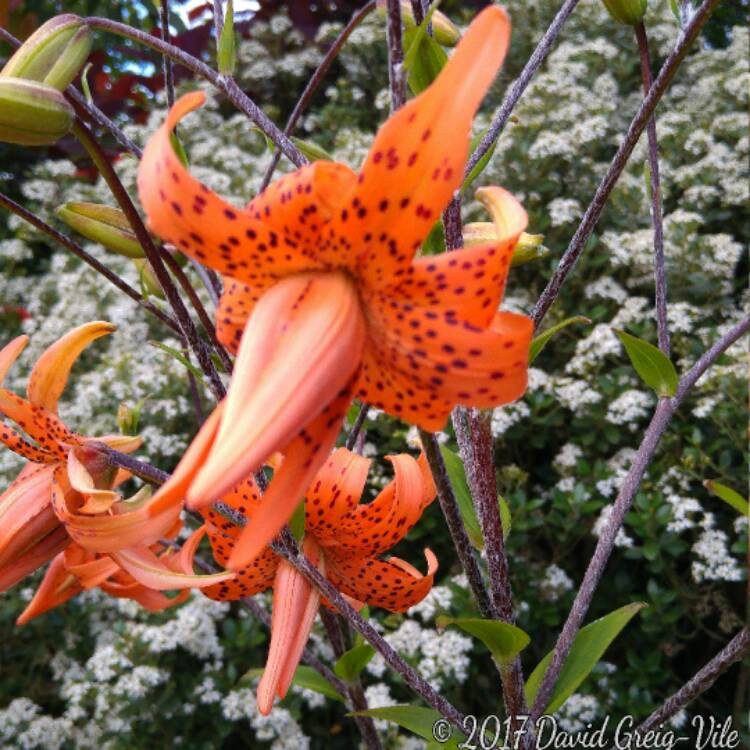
701	681
638	124
521	83
166	62
395	54
351	438
315	81
79	252
660	276
665	409
456	528
225	84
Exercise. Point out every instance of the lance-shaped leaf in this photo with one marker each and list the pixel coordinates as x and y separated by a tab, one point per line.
416	719
424	58
307	678
539	342
352	662
588	647
457	475
654	367
728	495
505	641
227	53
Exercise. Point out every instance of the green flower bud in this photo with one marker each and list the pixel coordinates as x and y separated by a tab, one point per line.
32	114
149	283
104	224
444	31
53	54
529	246
629	12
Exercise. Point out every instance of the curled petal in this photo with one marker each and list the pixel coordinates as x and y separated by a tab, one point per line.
10	353
50	374
57	586
156	573
34	557
301	347
122	443
393	585
18	444
335	491
276	234
377	526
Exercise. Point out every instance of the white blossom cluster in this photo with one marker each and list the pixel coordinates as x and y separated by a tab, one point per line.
554	583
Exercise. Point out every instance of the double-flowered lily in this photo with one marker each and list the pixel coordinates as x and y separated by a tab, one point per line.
324	299
342	537
30	532
64	504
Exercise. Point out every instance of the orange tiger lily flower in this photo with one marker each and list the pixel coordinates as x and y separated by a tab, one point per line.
324	299
342	537
30	532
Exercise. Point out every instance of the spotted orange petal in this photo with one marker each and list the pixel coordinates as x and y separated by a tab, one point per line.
393	584
10	353
417	159
303	457
335	491
301	347
276	234
375	527
236	303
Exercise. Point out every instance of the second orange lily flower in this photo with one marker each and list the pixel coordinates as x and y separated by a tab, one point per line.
324	300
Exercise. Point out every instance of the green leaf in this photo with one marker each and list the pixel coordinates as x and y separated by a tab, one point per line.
654	367
482	163
539	342
227	53
424	59
85	83
297	521
305	677
416	719
505	515
435	242
457	475
588	647
728	495
311	150
354	661
504	641
180	358
179	149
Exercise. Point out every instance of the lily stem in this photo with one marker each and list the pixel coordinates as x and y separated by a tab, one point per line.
660	277
646	109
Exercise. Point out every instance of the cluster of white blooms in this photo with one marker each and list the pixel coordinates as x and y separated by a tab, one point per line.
714	561
590	351
554	583
567	458
564	211
683	512
193	629
578	711
438	600
629	408
504	417
618	465
279	727
606	288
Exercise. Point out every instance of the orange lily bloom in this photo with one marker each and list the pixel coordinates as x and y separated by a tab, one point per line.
30	532
324	300
343	538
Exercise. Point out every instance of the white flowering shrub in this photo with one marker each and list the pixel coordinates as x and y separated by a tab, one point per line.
102	673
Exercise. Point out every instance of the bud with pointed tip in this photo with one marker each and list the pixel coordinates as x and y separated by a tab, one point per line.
104	224
32	114
444	31
149	283
53	54
629	12
529	246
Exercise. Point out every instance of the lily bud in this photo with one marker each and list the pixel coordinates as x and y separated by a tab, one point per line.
629	12
149	282
32	114
444	31
528	246
104	224
53	54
